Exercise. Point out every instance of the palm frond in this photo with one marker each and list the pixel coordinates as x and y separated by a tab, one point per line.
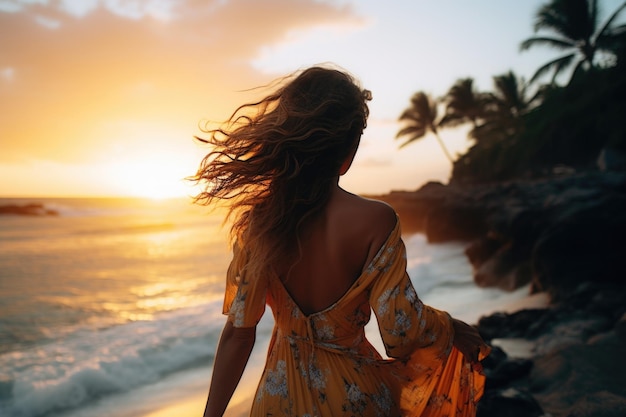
572	19
414	132
409	114
463	103
452	120
421	117
409	141
552	42
594	12
606	27
549	17
557	65
510	92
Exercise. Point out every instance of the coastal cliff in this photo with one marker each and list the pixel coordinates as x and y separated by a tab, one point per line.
565	236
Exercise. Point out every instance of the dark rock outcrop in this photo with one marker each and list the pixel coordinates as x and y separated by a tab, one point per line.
30	209
576	366
567	237
555	233
510	402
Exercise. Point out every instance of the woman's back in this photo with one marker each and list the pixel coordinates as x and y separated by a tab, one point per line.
282	165
335	247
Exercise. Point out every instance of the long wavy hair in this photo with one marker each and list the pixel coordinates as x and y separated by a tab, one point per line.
274	161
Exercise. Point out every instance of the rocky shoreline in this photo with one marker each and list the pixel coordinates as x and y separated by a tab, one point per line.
566	236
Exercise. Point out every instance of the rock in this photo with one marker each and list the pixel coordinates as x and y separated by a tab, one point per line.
599	404
578	247
510	402
522	323
620	327
565	235
454	222
573	328
611	159
30	209
554	231
507	269
495	357
561	378
410	207
480	250
506	372
608	301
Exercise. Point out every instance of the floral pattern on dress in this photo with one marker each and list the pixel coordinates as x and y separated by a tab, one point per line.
355	401
383	401
237	309
316	377
322	364
275	383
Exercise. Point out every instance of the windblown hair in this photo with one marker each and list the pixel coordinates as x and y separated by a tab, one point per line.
274	161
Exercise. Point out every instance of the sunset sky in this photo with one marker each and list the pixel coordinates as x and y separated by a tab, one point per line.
102	98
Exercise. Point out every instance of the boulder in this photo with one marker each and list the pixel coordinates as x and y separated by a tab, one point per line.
507	372
454	222
581	245
599	404
524	323
561	378
509	402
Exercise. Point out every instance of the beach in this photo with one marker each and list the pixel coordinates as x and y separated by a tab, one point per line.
113	307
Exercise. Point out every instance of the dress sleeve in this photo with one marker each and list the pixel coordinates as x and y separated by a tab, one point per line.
244	297
406	324
434	377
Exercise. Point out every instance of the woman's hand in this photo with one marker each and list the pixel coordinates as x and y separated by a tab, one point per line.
468	341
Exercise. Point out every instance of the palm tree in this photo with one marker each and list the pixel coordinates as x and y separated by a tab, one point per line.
503	109
510	94
421	118
463	103
575	24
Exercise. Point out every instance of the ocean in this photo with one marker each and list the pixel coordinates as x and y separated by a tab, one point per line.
112	307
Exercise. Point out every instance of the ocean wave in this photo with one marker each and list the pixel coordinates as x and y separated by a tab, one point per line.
86	366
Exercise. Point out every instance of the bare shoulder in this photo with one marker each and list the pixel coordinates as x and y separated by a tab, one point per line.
381	213
374	218
357	227
380	220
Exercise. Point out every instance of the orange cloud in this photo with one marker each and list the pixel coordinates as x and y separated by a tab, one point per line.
73	74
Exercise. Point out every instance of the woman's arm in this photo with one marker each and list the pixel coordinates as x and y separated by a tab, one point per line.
232	355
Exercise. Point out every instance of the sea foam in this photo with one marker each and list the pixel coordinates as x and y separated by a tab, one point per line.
75	369
71	372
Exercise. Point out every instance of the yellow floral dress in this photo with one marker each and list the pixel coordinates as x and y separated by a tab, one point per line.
322	365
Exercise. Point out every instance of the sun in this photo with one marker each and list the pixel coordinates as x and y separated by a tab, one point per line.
154	176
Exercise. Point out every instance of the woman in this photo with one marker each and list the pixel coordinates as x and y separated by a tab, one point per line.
322	259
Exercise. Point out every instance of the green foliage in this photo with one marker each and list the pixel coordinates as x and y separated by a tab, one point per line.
574	29
570	127
516	136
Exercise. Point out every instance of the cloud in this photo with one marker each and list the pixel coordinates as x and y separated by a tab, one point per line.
83	66
7	74
135	9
